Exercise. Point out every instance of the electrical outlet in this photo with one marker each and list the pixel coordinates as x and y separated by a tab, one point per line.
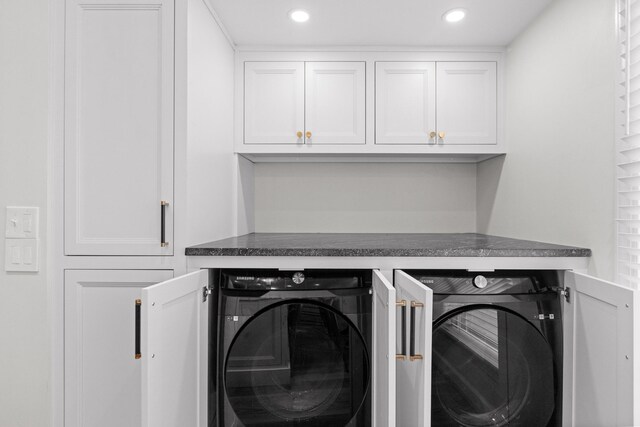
22	222
21	255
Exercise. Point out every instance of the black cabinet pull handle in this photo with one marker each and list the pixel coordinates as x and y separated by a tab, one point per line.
163	206
137	339
403	346
412	332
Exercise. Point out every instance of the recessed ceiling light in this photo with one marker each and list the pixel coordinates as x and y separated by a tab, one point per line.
299	15
454	15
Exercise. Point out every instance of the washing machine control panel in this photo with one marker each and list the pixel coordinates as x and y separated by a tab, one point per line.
454	282
272	280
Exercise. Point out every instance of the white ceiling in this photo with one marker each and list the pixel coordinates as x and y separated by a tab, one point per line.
376	22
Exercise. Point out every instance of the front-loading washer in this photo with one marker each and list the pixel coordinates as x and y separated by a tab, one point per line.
496	348
294	348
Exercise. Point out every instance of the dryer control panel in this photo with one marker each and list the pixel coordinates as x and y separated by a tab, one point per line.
265	280
462	282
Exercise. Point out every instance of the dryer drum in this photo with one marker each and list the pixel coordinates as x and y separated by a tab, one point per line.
491	367
319	377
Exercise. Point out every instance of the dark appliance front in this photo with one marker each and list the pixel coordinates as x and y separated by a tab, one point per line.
497	348
293	348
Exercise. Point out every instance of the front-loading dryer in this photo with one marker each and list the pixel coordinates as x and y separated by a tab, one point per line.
293	348
496	348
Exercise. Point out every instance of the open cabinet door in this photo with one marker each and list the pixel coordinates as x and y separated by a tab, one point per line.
384	374
599	355
413	372
173	352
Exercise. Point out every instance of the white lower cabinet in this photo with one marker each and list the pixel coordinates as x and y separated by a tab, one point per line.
413	362
174	336
598	354
102	376
384	343
599	340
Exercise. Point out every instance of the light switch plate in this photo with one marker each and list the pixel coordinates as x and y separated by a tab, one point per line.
22	222
21	255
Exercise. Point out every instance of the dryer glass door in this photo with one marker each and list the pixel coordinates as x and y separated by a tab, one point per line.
320	376
491	367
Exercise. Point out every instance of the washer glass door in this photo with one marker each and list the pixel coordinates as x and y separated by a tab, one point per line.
491	367
316	372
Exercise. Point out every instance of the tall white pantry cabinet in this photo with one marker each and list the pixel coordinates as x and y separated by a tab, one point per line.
125	216
119	107
118	202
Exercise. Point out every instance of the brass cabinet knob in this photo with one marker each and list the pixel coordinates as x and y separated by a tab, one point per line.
441	135
299	134
308	134
432	134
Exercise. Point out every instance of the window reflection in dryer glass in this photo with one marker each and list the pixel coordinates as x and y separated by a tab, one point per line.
491	368
320	379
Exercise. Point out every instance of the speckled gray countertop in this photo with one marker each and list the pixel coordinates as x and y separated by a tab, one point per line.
382	245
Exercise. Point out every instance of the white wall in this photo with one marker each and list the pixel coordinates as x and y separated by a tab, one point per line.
25	334
210	158
365	197
556	184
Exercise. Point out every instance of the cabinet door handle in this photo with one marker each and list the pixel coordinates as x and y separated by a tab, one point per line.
403	346
441	135
432	135
308	135
138	355
299	134
163	240
412	332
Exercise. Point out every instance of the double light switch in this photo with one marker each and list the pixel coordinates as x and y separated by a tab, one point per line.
21	239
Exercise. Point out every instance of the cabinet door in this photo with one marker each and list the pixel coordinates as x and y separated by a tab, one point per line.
273	102
335	103
102	376
413	372
467	102
174	326
384	372
601	386
405	102
118	127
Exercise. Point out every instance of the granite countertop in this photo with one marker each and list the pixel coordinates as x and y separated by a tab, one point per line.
382	245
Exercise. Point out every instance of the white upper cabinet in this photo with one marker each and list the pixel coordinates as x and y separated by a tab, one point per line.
274	102
405	102
304	103
119	105
437	103
357	106
335	103
466	103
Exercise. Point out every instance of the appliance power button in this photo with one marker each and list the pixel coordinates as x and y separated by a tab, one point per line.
298	278
480	282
